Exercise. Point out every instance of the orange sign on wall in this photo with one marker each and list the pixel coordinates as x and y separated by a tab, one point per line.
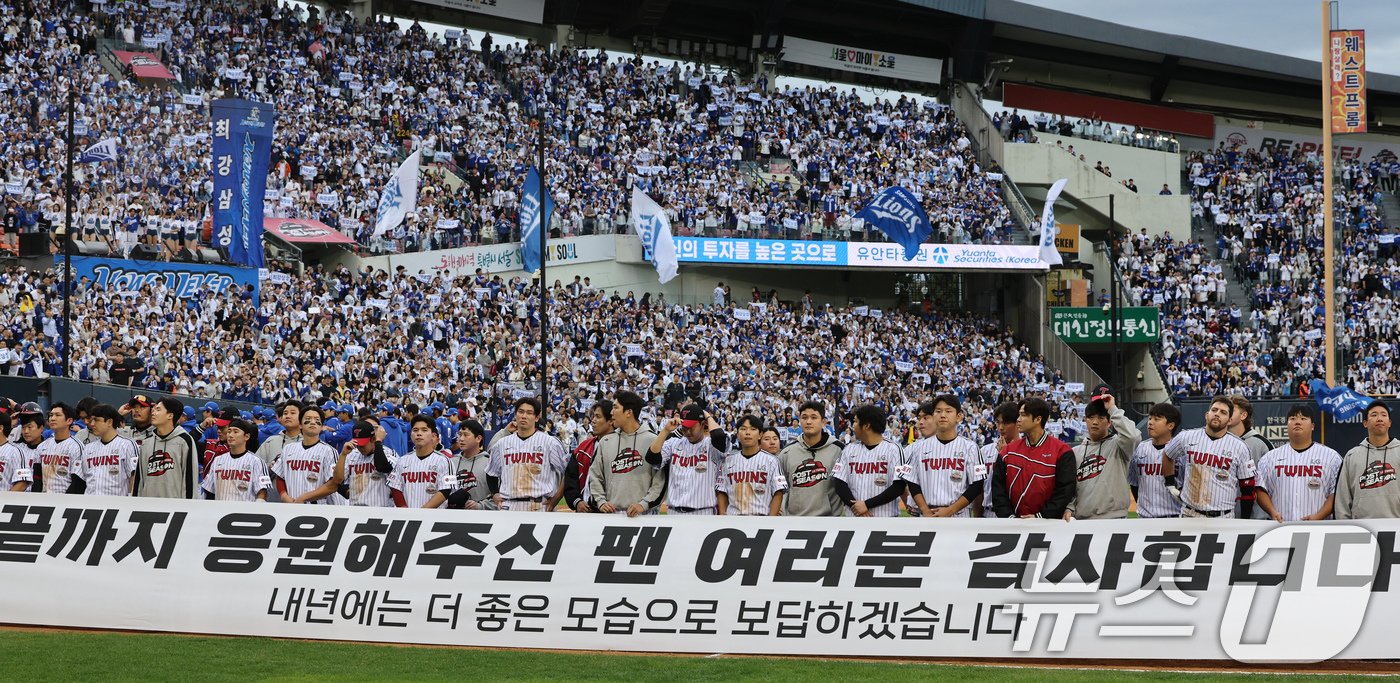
1348	54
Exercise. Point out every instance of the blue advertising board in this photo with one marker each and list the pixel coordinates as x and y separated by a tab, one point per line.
185	280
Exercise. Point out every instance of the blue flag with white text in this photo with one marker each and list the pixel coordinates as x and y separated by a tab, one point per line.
242	150
898	214
1341	402
534	218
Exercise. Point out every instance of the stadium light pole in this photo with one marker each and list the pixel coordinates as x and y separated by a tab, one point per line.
1115	319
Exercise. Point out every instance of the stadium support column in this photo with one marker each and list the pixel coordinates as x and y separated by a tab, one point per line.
67	241
544	286
1329	361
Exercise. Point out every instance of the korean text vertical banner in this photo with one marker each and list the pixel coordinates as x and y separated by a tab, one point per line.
242	150
1347	52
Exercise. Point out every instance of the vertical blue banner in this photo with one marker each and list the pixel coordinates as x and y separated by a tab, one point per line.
242	151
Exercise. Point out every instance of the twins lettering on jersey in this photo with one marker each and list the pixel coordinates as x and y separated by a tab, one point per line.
524	458
424	477
1149	469
61	462
1377	474
307	465
104	460
748	477
361	468
1093	466
1282	470
627	460
699	462
880	467
1219	462
235	475
933	464
809	473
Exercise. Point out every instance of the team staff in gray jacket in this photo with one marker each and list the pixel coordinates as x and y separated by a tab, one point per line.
620	479
807	465
169	463
1366	487
1101	462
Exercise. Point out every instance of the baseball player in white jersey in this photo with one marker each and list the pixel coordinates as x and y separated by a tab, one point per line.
109	459
31	434
752	482
238	474
420	474
527	466
1145	471
693	458
60	456
867	476
306	470
945	472
366	465
12	459
1214	463
1005	416
1298	480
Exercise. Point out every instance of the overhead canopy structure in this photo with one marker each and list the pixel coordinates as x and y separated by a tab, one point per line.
144	65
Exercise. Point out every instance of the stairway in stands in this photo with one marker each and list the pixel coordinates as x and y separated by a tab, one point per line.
1390	208
1237	292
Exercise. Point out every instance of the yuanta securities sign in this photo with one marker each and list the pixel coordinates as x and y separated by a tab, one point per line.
842	586
1089	325
856	254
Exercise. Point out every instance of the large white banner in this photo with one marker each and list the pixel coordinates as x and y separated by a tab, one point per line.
862	60
947	256
497	258
519	10
1347	147
1130	589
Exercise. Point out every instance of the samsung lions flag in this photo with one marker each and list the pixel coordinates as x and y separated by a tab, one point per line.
654	228
400	195
1048	252
1342	402
898	213
531	215
101	151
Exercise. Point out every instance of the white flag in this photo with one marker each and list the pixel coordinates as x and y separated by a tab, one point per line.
106	150
400	195
1048	252
654	228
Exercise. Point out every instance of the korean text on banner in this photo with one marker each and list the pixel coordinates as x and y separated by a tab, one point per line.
242	150
760	585
1347	57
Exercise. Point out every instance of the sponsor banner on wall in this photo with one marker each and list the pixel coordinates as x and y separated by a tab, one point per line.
1280	141
1067	238
761	585
723	251
518	10
1347	56
185	280
498	258
1091	324
862	60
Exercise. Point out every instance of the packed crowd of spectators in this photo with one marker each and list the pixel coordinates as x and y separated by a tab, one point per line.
1266	210
374	336
1017	127
354	97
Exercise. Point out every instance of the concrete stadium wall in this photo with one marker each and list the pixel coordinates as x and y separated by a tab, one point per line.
1040	165
1149	168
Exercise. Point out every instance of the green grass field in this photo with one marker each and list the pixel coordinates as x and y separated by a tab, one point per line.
93	656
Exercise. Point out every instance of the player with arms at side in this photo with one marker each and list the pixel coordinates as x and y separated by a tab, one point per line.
945	472
1215	464
237	474
1005	417
692	459
752	482
1366	487
867	477
420	474
1035	476
807	464
169	464
306	470
1298	480
619	479
109	459
1242	426
60	456
1145	477
527	465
